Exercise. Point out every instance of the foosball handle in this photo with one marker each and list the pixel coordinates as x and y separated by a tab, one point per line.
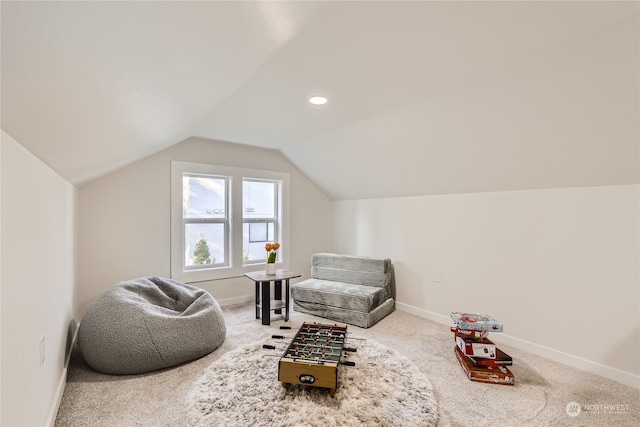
269	347
350	349
348	363
285	327
279	337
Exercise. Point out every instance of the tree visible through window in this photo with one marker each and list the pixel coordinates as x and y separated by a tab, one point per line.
204	207
201	253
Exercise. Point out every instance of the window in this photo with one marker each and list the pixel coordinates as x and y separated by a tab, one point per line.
221	218
206	225
260	206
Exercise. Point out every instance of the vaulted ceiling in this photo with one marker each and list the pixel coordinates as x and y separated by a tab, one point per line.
424	97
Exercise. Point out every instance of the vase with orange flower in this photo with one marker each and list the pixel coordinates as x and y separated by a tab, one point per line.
271	249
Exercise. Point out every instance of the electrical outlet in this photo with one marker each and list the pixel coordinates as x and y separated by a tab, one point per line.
41	342
437	276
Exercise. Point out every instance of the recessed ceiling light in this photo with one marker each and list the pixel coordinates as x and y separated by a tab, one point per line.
318	100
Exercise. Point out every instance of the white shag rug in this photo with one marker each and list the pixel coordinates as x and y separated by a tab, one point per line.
242	389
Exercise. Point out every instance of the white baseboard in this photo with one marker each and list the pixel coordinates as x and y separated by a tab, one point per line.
236	300
425	314
53	411
622	377
609	372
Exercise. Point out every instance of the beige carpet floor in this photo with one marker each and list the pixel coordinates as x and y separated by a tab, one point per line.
542	391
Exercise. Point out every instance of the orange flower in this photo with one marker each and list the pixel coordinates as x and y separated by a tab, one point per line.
271	251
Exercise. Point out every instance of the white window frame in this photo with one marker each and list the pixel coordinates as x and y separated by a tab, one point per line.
235	266
277	220
225	221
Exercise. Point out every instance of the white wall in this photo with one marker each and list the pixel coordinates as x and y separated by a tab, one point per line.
37	222
124	219
559	268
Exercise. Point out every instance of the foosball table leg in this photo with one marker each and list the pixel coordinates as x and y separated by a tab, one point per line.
332	391
285	385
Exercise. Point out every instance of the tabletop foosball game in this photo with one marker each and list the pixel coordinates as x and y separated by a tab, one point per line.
314	356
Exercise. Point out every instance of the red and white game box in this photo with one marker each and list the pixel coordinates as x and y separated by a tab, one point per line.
485	374
482	347
502	359
464	332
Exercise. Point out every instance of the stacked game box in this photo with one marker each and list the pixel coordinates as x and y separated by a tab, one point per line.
478	356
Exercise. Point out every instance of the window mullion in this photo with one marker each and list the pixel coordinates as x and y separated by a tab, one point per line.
235	222
204	220
269	220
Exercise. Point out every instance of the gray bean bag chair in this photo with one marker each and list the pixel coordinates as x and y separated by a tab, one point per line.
149	323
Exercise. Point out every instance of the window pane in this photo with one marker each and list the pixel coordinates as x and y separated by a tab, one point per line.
258	232
254	250
203	197
258	199
203	244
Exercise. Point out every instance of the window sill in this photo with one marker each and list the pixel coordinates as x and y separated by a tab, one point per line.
221	273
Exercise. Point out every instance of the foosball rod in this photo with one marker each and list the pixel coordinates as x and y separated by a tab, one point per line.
319	329
335	345
322	361
336	332
271	347
282	337
285	327
309	337
346	363
313	324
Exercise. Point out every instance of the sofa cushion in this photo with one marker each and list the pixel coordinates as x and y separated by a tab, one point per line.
352	317
351	269
339	294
